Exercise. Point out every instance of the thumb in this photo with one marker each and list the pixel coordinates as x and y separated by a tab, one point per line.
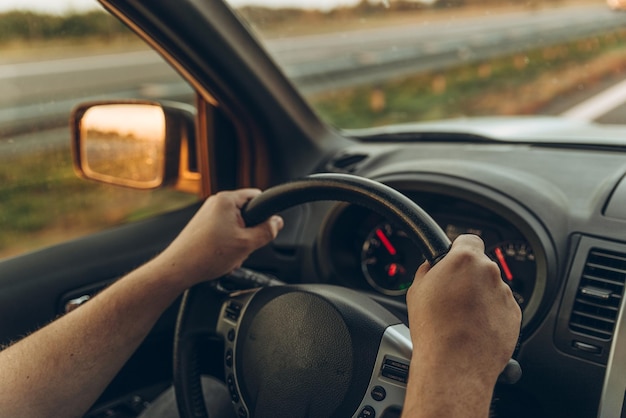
276	223
268	230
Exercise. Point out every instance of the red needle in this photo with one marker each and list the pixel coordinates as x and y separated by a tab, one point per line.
383	238
505	266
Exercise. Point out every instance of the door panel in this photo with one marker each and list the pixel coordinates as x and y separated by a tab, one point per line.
32	286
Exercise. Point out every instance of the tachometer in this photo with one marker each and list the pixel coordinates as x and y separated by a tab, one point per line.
516	260
389	259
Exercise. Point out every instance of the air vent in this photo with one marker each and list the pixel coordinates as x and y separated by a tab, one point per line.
346	163
599	294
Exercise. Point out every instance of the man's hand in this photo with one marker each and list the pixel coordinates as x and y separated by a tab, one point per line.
464	325
54	373
216	240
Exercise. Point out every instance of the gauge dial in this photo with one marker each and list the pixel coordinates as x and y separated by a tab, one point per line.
389	259
517	266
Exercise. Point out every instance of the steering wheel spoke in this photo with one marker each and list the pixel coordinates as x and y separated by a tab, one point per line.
228	327
387	386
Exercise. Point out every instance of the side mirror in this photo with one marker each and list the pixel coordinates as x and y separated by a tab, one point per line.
138	144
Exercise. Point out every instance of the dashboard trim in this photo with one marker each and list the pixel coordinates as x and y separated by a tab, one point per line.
614	387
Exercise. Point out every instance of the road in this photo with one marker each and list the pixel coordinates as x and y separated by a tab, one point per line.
375	54
43	92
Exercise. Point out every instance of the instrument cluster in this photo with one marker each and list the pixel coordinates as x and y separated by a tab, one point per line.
361	249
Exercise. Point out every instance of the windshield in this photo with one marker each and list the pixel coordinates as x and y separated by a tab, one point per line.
372	63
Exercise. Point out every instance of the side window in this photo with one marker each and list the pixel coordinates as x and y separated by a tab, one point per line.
49	64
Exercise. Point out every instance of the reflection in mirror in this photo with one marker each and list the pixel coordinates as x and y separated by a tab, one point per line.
124	144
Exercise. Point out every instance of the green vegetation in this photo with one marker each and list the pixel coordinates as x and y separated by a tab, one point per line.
271	18
30	26
511	85
43	201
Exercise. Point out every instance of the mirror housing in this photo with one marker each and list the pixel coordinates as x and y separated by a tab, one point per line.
136	143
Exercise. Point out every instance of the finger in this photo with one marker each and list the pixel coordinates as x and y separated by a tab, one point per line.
268	230
275	224
417	279
494	271
422	270
242	196
469	241
469	244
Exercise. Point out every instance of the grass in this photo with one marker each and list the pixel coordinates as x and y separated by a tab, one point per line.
43	202
42	49
518	84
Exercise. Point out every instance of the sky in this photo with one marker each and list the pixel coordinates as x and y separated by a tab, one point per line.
63	6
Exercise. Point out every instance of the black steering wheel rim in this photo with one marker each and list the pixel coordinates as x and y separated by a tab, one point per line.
382	199
397	208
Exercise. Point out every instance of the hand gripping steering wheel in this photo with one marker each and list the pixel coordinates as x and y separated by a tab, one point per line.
303	351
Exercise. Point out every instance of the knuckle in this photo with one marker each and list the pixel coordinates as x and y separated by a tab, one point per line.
464	255
470	240
220	197
475	239
493	269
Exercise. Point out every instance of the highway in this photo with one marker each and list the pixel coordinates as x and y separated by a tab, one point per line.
43	92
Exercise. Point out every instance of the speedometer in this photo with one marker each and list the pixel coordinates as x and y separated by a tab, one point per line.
389	259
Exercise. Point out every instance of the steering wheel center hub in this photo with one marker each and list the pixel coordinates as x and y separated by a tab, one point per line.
294	353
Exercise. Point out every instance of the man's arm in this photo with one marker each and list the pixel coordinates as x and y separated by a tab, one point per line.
60	370
464	325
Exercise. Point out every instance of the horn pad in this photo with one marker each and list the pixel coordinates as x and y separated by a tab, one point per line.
303	353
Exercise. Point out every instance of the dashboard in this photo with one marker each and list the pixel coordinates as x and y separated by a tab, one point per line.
557	236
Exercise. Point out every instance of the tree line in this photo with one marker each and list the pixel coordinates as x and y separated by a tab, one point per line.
267	17
31	26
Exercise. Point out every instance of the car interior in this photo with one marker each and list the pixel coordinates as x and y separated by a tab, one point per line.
546	194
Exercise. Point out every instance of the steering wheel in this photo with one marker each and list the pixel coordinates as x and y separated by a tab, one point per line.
299	351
